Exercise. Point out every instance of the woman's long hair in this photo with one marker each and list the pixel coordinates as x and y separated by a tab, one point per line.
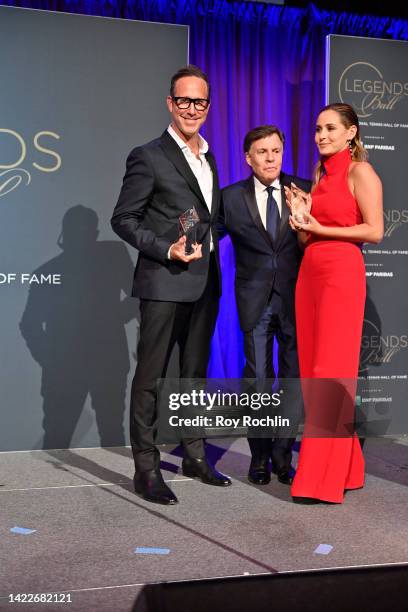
348	117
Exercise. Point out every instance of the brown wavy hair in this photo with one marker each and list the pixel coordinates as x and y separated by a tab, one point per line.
348	117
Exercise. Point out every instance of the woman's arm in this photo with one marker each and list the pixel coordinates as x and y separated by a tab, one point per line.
367	189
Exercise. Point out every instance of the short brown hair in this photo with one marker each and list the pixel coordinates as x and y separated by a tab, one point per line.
186	71
262	132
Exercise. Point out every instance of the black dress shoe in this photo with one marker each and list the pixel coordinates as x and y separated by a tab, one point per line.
285	475
259	473
204	471
151	486
305	500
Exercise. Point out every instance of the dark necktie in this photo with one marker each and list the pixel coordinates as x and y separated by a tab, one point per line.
272	215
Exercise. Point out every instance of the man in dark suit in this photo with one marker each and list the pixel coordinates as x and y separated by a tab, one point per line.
178	293
267	257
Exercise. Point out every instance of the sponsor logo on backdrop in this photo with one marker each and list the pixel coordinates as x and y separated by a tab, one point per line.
376	348
12	171
364	86
394	219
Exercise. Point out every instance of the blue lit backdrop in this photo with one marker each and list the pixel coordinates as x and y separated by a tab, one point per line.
266	65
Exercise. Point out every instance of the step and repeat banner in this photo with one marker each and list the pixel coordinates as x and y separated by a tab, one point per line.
78	93
371	75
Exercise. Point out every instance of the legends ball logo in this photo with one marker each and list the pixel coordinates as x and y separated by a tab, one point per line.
363	86
15	147
393	219
376	348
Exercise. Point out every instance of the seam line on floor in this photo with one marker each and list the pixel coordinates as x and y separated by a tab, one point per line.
102	484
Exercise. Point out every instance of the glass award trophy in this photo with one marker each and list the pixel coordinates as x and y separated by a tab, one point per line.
298	208
188	227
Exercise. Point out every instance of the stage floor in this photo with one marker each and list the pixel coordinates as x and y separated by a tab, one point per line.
88	524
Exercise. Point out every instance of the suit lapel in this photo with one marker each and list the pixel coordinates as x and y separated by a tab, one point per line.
216	187
174	153
250	201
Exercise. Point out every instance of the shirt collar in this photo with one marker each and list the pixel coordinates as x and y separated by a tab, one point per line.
203	144
259	187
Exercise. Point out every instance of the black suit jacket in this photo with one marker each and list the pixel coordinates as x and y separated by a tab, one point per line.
158	187
261	265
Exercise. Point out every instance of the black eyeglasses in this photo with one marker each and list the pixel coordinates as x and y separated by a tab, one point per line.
200	104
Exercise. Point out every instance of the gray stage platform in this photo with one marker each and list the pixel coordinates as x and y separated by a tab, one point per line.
88	524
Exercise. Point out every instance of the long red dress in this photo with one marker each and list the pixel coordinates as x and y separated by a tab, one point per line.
330	298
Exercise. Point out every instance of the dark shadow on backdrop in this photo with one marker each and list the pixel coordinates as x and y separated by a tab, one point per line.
76	331
371	355
372	350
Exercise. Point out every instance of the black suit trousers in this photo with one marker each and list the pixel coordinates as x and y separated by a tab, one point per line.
258	348
163	324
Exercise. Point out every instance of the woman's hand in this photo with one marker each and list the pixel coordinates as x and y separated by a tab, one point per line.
302	235
293	224
311	225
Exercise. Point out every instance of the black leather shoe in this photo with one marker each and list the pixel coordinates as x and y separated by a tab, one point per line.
259	473
151	486
305	500
285	475
204	471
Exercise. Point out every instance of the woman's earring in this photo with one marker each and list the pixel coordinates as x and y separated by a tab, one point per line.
350	148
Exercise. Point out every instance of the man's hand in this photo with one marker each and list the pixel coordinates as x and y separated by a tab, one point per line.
177	251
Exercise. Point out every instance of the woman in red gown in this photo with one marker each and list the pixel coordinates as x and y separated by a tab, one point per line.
346	210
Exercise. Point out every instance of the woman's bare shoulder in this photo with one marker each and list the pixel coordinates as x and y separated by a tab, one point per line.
361	169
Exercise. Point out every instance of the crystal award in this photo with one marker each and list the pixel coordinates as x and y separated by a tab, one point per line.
188	227
299	207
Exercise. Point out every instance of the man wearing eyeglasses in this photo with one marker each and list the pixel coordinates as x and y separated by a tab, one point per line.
178	292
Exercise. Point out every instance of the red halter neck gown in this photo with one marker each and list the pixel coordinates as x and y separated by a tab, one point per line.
330	298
